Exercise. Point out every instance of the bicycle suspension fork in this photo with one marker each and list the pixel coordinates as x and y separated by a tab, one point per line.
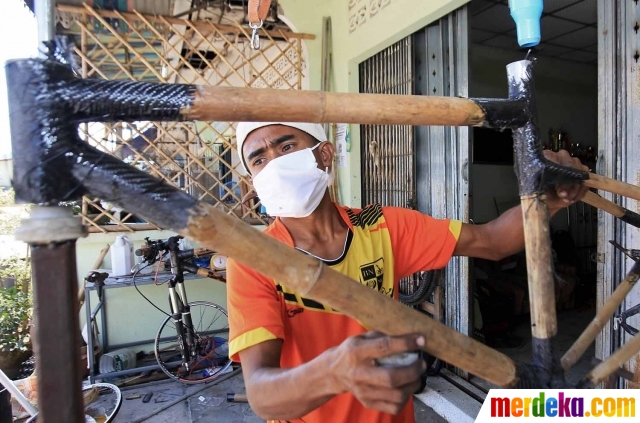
176	315
180	310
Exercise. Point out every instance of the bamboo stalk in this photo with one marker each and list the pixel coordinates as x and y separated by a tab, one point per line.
311	279
602	318
238	104
611	185
612	208
611	365
118	228
542	301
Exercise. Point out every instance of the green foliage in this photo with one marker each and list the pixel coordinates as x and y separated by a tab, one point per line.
17	268
15	318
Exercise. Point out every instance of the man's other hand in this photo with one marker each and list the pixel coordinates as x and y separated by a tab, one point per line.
387	389
565	195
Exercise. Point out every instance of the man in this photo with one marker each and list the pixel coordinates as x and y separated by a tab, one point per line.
303	361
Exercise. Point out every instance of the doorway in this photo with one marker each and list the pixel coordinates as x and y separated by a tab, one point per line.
566	81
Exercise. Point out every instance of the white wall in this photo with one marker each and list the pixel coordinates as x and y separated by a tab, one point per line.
567	97
6	172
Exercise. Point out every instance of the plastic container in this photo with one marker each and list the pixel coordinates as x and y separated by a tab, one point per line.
122	258
527	14
118	360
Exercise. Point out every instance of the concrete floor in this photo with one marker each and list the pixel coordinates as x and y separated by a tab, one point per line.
209	405
571	323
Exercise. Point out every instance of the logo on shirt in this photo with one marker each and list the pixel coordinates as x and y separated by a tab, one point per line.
291	312
372	274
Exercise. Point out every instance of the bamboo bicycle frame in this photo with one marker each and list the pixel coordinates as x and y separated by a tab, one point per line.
47	102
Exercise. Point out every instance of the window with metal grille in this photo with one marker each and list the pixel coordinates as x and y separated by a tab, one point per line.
388	168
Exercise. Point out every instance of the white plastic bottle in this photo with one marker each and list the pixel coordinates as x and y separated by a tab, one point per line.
122	258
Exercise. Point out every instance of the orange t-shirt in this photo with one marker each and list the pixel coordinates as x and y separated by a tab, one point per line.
384	244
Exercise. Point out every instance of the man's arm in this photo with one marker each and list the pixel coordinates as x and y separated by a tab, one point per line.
504	236
285	394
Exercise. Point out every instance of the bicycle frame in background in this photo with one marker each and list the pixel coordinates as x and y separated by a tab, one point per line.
202	355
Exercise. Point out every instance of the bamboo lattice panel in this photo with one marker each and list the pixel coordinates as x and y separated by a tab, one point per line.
199	157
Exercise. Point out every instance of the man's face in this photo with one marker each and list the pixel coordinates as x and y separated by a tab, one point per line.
270	142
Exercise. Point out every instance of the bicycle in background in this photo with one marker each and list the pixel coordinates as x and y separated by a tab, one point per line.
191	345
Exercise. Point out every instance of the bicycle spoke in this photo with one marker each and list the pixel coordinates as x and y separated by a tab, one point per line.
207	362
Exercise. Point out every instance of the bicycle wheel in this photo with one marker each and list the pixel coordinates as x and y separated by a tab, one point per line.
210	333
102	403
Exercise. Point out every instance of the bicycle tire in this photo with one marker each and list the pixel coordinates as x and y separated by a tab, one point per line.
109	386
426	286
221	366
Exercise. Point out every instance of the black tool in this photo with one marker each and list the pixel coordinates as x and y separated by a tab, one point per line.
147	397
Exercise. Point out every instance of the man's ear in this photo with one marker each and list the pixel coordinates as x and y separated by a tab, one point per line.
326	153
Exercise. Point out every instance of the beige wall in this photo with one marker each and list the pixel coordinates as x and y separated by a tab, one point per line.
354	43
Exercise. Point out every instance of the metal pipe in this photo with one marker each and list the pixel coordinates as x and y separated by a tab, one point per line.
45	18
51	233
109	375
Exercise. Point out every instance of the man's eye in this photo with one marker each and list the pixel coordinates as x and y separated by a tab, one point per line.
258	162
287	147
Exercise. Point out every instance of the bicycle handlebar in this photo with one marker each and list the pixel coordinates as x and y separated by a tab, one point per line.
152	248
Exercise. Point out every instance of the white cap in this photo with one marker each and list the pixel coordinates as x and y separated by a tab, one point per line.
245	128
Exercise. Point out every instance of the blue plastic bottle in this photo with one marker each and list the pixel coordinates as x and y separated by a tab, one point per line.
527	14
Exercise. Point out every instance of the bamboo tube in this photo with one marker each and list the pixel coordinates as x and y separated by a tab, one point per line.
237	104
612	208
311	279
540	280
611	185
602	317
613	363
541	288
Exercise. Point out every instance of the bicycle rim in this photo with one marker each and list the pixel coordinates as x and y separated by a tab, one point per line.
211	329
104	408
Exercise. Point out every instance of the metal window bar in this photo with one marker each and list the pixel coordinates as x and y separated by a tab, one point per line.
388	167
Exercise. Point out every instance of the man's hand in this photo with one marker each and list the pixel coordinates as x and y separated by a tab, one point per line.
382	388
564	195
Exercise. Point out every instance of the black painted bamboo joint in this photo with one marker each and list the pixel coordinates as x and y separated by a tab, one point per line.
535	173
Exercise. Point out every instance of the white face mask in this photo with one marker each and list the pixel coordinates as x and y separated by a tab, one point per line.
292	185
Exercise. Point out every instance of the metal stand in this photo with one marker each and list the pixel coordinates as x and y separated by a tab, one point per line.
51	233
101	310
